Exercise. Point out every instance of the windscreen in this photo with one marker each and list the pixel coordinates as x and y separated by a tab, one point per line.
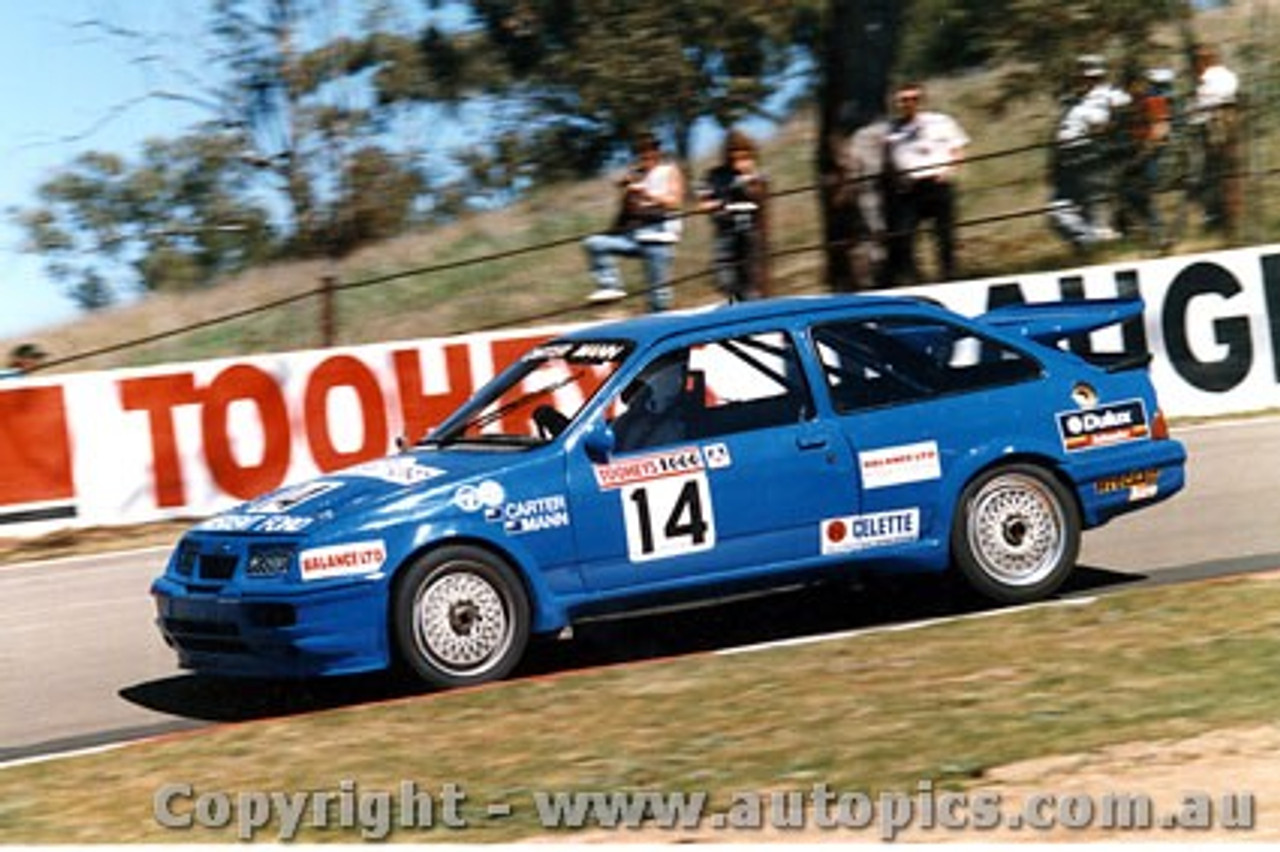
534	401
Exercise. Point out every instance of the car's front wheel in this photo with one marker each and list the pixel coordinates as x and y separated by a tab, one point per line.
461	617
1016	534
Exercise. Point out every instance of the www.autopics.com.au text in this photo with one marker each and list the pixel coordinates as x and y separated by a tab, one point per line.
375	814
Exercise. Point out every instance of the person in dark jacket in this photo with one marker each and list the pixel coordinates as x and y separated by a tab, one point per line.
735	193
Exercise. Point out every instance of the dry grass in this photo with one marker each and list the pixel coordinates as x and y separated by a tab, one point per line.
74	541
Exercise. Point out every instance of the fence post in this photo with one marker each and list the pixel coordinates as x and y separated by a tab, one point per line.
328	309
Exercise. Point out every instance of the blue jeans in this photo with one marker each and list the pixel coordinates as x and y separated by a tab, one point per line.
657	257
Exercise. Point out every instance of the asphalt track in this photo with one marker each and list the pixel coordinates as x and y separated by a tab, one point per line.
83	666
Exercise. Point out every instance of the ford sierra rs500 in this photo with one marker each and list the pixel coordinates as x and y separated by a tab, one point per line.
687	455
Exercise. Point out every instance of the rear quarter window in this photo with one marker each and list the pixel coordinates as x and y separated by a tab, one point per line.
869	363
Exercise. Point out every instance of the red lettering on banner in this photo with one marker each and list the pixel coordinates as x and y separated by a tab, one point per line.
157	396
35	446
245	382
344	371
422	411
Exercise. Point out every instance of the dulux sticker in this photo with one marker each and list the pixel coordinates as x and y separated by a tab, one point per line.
1110	424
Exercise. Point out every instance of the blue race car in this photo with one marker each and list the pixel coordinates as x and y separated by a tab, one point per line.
685	455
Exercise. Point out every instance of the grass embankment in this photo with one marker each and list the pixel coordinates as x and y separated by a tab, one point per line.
868	713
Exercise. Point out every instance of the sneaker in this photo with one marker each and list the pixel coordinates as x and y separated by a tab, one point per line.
607	294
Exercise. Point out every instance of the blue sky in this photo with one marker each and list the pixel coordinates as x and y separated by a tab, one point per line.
61	84
66	86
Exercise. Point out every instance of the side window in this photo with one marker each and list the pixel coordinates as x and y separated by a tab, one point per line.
874	362
712	389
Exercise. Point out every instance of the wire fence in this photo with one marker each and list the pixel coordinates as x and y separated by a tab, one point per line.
983	209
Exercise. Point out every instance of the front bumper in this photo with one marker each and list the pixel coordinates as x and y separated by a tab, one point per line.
339	629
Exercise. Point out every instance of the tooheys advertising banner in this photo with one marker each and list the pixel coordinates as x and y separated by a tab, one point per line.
126	446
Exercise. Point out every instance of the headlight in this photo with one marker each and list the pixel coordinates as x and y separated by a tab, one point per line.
268	561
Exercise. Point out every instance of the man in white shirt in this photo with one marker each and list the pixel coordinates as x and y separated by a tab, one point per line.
923	151
648	227
1215	120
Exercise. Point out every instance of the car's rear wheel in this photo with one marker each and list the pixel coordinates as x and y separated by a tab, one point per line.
1016	534
461	617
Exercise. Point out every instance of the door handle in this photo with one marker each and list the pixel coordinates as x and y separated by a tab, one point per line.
811	442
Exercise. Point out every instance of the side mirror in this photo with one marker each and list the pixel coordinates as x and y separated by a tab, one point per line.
599	442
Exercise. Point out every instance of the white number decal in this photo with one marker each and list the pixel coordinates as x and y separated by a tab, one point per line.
668	517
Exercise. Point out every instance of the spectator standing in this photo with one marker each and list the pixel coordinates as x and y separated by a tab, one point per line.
1080	169
648	226
735	194
1215	121
23	358
923	150
1142	133
865	186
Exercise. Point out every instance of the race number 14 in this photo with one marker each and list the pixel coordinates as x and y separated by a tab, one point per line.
668	517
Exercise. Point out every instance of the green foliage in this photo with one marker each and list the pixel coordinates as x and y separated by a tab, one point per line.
942	36
591	73
378	195
1039	40
176	218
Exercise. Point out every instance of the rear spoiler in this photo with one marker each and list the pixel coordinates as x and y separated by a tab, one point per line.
1051	322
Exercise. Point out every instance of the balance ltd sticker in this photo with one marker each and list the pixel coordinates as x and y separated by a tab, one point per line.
342	560
918	462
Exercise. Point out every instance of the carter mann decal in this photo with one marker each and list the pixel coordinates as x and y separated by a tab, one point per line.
534	515
1100	427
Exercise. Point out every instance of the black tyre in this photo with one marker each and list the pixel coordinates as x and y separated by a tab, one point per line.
461	617
1016	534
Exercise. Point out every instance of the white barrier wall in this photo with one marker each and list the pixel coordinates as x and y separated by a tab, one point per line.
126	446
